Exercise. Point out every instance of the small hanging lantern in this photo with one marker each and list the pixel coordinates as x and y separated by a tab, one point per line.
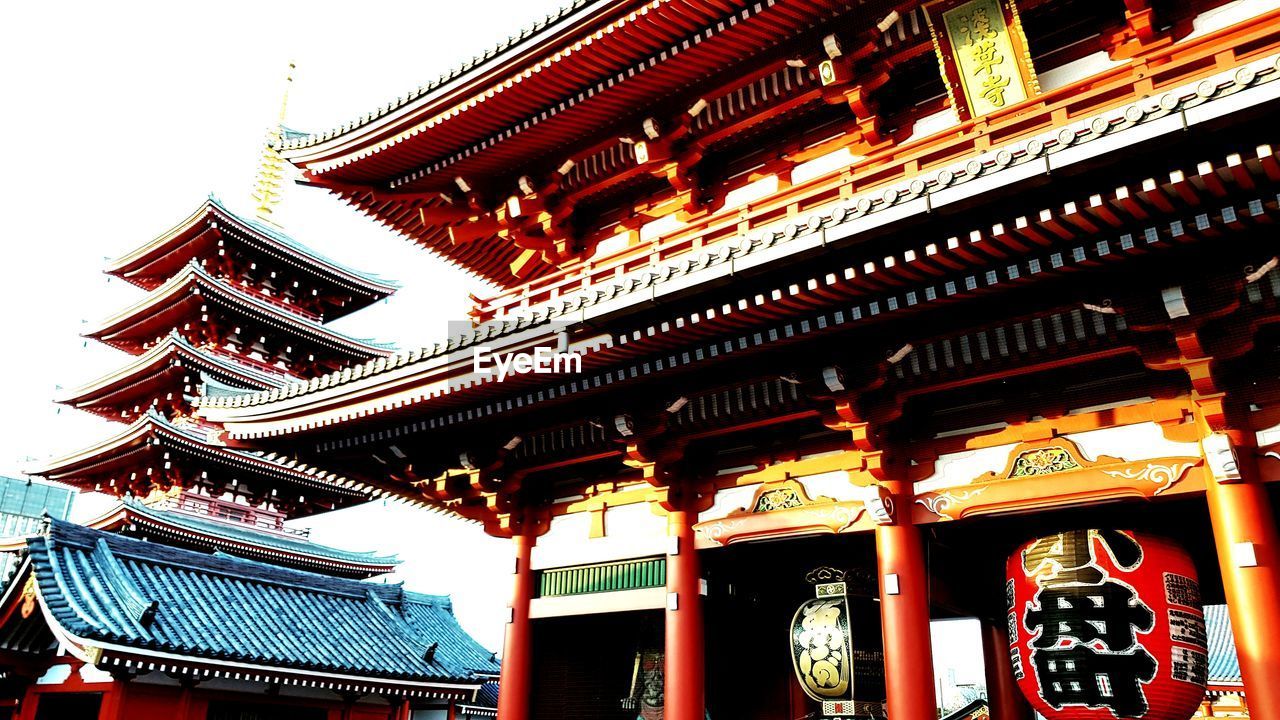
836	667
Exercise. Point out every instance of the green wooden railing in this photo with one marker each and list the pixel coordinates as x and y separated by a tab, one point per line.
603	577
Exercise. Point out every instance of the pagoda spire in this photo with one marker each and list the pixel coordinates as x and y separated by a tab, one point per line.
270	177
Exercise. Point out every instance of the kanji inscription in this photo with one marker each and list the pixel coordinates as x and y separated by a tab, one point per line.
983	55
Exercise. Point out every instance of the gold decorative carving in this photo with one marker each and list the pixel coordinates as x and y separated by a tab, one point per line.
1042	461
1054	473
29	597
787	494
782	508
783	498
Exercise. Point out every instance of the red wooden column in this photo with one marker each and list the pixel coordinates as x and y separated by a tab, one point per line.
1003	697
684	668
1244	532
401	710
112	707
904	612
516	683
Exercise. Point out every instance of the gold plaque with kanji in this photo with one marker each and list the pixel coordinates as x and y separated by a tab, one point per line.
983	55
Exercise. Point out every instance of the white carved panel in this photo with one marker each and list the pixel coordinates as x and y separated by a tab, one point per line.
962	468
631	531
1140	441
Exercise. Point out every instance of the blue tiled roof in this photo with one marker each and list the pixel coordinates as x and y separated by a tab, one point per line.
245	534
1224	666
104	588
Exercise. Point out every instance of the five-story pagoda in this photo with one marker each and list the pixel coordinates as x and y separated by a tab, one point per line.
232	304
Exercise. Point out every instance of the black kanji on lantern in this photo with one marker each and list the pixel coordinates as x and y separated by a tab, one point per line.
1081	675
1108	612
1086	625
1070	555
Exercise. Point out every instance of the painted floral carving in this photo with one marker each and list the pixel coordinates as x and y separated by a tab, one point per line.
1043	461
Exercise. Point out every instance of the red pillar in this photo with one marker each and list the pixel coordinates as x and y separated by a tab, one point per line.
401	710
1003	696
516	683
904	612
1244	531
684	666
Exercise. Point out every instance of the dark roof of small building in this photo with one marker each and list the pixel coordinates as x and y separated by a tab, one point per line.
1224	666
487	696
244	534
485	703
106	590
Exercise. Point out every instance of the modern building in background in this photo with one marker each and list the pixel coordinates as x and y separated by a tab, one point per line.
882	312
24	503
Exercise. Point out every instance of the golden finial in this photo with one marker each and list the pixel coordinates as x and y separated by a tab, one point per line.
266	189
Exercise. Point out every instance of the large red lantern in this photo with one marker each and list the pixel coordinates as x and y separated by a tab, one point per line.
1106	624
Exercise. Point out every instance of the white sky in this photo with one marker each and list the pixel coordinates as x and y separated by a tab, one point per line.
119	118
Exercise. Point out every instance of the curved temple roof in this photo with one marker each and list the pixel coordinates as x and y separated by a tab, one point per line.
539	31
245	541
119	601
532	105
126	328
153	431
128	384
151	263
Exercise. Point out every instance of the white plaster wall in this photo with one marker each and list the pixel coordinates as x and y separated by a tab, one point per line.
1087	66
728	500
594	603
935	123
962	468
1230	14
631	531
55	675
91	674
1140	441
834	484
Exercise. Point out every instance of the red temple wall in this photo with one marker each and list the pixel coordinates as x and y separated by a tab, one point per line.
141	700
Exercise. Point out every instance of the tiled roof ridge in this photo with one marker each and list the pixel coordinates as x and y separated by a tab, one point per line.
139	610
279	542
62	532
525	33
403	631
174	342
371	280
192	272
153	421
281	621
280	239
